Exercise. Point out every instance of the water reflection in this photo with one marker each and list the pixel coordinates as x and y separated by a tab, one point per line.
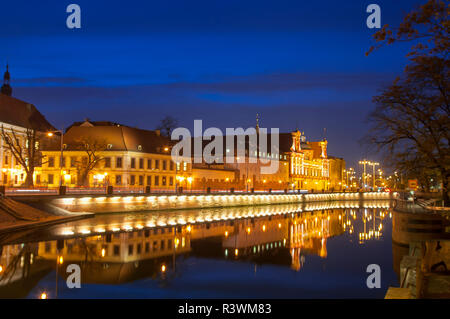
120	248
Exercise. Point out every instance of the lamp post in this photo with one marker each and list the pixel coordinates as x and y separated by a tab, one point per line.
61	160
373	166
364	163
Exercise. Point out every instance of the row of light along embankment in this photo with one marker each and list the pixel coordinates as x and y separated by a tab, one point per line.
25	212
139	202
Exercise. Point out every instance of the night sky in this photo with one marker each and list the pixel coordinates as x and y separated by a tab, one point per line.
296	63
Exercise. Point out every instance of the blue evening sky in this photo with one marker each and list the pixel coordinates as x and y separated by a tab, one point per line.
296	63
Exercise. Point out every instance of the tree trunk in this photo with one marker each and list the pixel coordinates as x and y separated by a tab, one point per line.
445	187
29	179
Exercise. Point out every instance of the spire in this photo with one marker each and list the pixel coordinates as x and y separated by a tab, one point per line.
6	87
257	123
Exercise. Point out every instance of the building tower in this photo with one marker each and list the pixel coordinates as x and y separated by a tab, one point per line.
257	123
6	87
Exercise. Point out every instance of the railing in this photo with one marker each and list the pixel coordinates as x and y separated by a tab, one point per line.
86	190
318	196
16	191
128	190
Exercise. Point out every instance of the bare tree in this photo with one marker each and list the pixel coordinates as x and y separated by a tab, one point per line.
411	119
167	125
93	148
25	150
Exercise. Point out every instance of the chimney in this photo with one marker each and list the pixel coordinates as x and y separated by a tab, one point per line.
158	132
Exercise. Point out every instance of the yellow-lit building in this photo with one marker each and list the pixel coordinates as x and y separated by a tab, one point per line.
123	156
16	117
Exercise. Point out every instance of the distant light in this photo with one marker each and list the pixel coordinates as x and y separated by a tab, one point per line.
50	134
1	269
163	268
103	252
61	260
43	296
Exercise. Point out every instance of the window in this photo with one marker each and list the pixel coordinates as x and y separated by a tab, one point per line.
147	247
119	162
118	179
171	181
169	244
156	164
73	161
109	146
162	244
141	180
50	178
171	165
164	165
155	245
184	166
133	162
116	250
107	162
149	180
164	181
130	250
141	163
149	164
156	180
132	180
63	162
51	161
139	249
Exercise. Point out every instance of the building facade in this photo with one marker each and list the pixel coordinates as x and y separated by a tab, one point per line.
16	118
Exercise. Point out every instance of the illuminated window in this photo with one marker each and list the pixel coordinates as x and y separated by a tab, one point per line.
51	162
107	162
119	162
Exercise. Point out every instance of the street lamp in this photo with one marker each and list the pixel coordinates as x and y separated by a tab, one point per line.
61	161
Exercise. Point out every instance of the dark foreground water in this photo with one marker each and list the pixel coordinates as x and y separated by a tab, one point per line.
278	251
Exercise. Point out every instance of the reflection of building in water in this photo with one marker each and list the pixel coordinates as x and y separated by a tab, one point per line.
309	234
119	257
118	249
20	270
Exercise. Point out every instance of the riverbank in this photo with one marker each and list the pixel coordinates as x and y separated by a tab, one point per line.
137	202
17	216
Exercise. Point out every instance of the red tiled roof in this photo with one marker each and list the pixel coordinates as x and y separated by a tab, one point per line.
121	138
16	112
